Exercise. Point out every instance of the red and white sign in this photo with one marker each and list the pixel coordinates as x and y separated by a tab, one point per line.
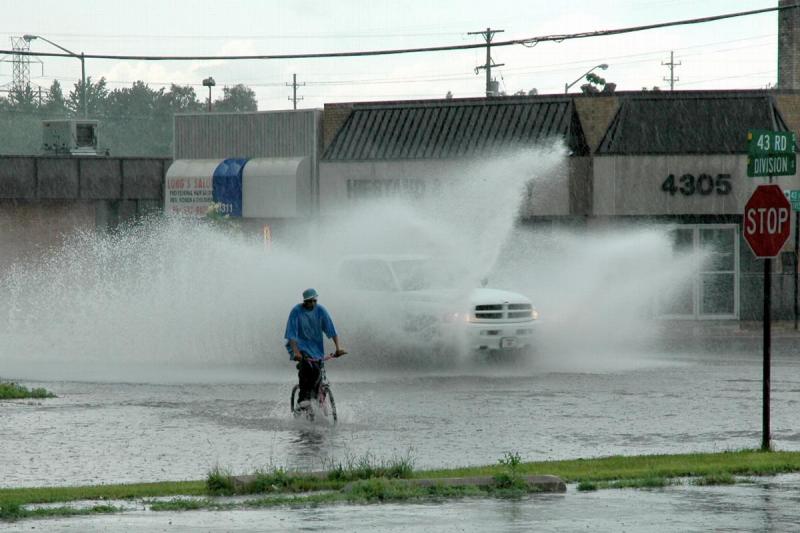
767	220
188	195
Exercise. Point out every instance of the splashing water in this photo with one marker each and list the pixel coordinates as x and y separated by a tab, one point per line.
599	290
166	295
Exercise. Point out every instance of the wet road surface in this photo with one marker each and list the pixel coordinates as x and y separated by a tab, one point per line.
684	400
658	403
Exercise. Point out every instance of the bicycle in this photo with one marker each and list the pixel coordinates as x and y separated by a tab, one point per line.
324	396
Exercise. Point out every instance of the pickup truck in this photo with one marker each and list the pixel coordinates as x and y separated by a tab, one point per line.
429	304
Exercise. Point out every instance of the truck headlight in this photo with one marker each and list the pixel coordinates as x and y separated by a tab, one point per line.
451	317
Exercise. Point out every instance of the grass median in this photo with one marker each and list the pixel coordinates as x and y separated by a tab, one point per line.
366	479
14	391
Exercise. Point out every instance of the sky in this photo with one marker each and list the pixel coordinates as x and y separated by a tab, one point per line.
730	54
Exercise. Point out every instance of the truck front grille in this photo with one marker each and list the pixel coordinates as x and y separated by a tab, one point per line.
503	311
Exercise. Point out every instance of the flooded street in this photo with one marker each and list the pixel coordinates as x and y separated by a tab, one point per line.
238	418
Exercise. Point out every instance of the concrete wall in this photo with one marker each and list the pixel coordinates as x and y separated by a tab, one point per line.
788	41
74	178
45	199
595	114
333	118
30	229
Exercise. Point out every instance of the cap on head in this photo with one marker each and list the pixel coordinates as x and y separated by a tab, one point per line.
310	294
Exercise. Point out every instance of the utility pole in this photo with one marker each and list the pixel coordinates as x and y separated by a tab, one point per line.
672	64
294	85
488	35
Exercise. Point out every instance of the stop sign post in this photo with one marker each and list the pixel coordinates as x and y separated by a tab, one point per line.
766	227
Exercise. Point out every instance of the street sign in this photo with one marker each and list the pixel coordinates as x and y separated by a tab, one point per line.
794	197
771	153
763	142
766	221
771	165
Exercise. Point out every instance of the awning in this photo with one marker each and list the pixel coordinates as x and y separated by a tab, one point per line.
275	187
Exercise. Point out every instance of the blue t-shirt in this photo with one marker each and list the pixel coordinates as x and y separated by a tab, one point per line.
306	327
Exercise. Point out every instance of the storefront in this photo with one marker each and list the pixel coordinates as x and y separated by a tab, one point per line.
681	159
403	149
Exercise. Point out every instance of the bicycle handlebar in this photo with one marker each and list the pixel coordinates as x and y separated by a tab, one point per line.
333	355
328	357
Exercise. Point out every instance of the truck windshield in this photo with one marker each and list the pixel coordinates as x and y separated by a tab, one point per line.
420	274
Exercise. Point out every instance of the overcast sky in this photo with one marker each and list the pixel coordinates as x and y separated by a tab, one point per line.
736	53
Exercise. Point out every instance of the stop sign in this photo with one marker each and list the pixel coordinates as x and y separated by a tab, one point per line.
766	220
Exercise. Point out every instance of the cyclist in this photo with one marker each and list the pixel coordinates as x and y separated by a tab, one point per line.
304	328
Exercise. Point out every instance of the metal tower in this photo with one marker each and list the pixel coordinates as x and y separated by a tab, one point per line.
22	64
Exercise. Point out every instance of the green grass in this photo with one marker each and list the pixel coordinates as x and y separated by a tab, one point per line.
102	492
13	511
180	504
14	391
615	468
366	480
368	466
220	481
716	478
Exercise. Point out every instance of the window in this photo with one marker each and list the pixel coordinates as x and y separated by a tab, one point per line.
367	275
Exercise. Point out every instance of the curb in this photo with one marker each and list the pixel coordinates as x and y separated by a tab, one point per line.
541	483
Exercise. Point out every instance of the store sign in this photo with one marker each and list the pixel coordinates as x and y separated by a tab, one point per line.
194	187
189	196
362	189
701	184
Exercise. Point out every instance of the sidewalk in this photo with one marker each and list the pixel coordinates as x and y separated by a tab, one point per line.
726	328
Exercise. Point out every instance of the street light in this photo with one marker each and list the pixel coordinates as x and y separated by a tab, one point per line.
29	38
568	85
209	82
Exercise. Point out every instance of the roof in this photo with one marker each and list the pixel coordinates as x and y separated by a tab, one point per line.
689	123
441	129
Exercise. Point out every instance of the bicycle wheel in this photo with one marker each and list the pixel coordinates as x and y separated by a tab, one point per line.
326	403
292	403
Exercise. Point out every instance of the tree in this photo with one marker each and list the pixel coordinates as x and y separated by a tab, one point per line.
596	84
237	98
180	100
137	101
96	94
22	128
54	105
24	100
129	121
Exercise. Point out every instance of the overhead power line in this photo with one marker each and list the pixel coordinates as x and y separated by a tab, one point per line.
531	41
619	60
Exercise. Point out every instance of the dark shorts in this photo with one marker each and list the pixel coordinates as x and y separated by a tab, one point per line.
308	376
